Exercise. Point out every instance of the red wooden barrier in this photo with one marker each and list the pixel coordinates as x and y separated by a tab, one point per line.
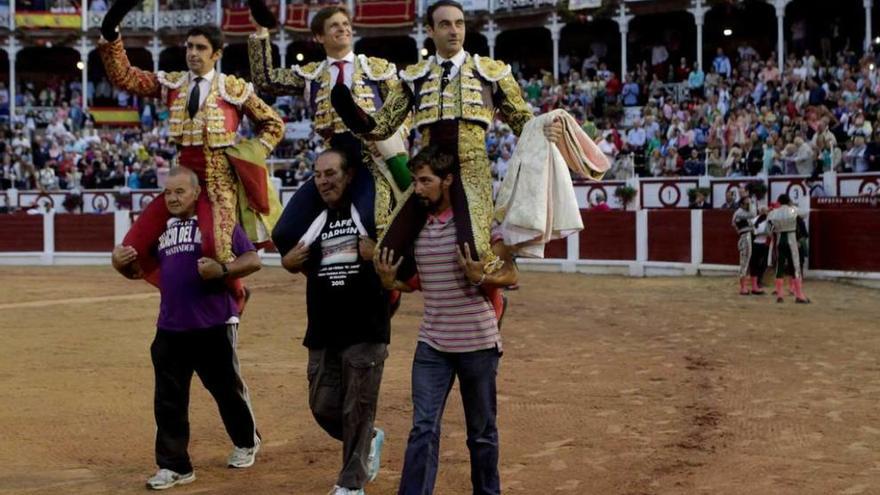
669	235
845	240
719	238
557	249
609	235
84	233
21	233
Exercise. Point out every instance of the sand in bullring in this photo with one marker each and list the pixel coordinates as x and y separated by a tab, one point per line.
608	386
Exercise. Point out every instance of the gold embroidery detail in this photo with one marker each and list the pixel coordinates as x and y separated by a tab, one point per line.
471	96
429	100
514	109
476	178
276	82
269	126
221	189
491	70
207	127
383	204
462	98
377	69
416	71
311	70
171	80
234	90
404	197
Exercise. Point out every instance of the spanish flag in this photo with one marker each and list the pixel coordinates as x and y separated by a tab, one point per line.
115	116
47	20
258	202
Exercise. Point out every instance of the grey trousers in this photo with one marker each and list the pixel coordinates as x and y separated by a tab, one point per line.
343	394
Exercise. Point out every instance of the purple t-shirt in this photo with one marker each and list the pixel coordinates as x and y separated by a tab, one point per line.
188	302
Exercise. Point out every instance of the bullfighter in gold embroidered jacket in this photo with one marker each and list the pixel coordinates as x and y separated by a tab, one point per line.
371	79
206	108
453	98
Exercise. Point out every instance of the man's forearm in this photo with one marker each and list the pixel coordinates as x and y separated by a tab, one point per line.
267	79
122	75
269	126
244	265
131	271
508	275
512	105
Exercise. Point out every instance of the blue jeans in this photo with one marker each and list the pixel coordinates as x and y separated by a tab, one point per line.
433	374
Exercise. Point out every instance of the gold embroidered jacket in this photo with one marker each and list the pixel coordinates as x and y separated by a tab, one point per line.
470	100
216	123
373	79
213	131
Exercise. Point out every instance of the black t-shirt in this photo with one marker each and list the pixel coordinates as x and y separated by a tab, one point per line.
345	301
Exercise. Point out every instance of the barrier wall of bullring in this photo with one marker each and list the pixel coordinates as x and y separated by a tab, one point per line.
654	235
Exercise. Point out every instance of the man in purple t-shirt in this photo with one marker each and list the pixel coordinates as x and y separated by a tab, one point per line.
196	332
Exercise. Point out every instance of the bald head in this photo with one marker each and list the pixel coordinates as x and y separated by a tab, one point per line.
188	173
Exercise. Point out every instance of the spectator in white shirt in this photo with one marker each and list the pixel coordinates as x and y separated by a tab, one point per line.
721	64
636	137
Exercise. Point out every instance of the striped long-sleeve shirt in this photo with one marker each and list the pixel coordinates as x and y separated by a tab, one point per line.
458	317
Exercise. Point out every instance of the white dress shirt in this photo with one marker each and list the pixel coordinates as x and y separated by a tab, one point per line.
457	61
348	67
204	86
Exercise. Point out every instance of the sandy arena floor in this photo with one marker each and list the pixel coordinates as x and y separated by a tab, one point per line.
608	386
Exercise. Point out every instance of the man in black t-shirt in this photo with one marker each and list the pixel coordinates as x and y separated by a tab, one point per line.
348	328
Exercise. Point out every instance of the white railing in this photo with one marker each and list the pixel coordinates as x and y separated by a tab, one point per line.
651	193
175	19
133	20
179	19
522	4
493	5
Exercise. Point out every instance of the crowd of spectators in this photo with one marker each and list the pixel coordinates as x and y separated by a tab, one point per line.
59	159
34	99
65	157
743	117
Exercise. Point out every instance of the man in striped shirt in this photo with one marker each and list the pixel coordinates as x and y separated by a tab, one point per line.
458	337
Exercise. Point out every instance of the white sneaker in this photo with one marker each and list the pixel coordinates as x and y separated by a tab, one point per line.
374	460
166	478
243	457
338	490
